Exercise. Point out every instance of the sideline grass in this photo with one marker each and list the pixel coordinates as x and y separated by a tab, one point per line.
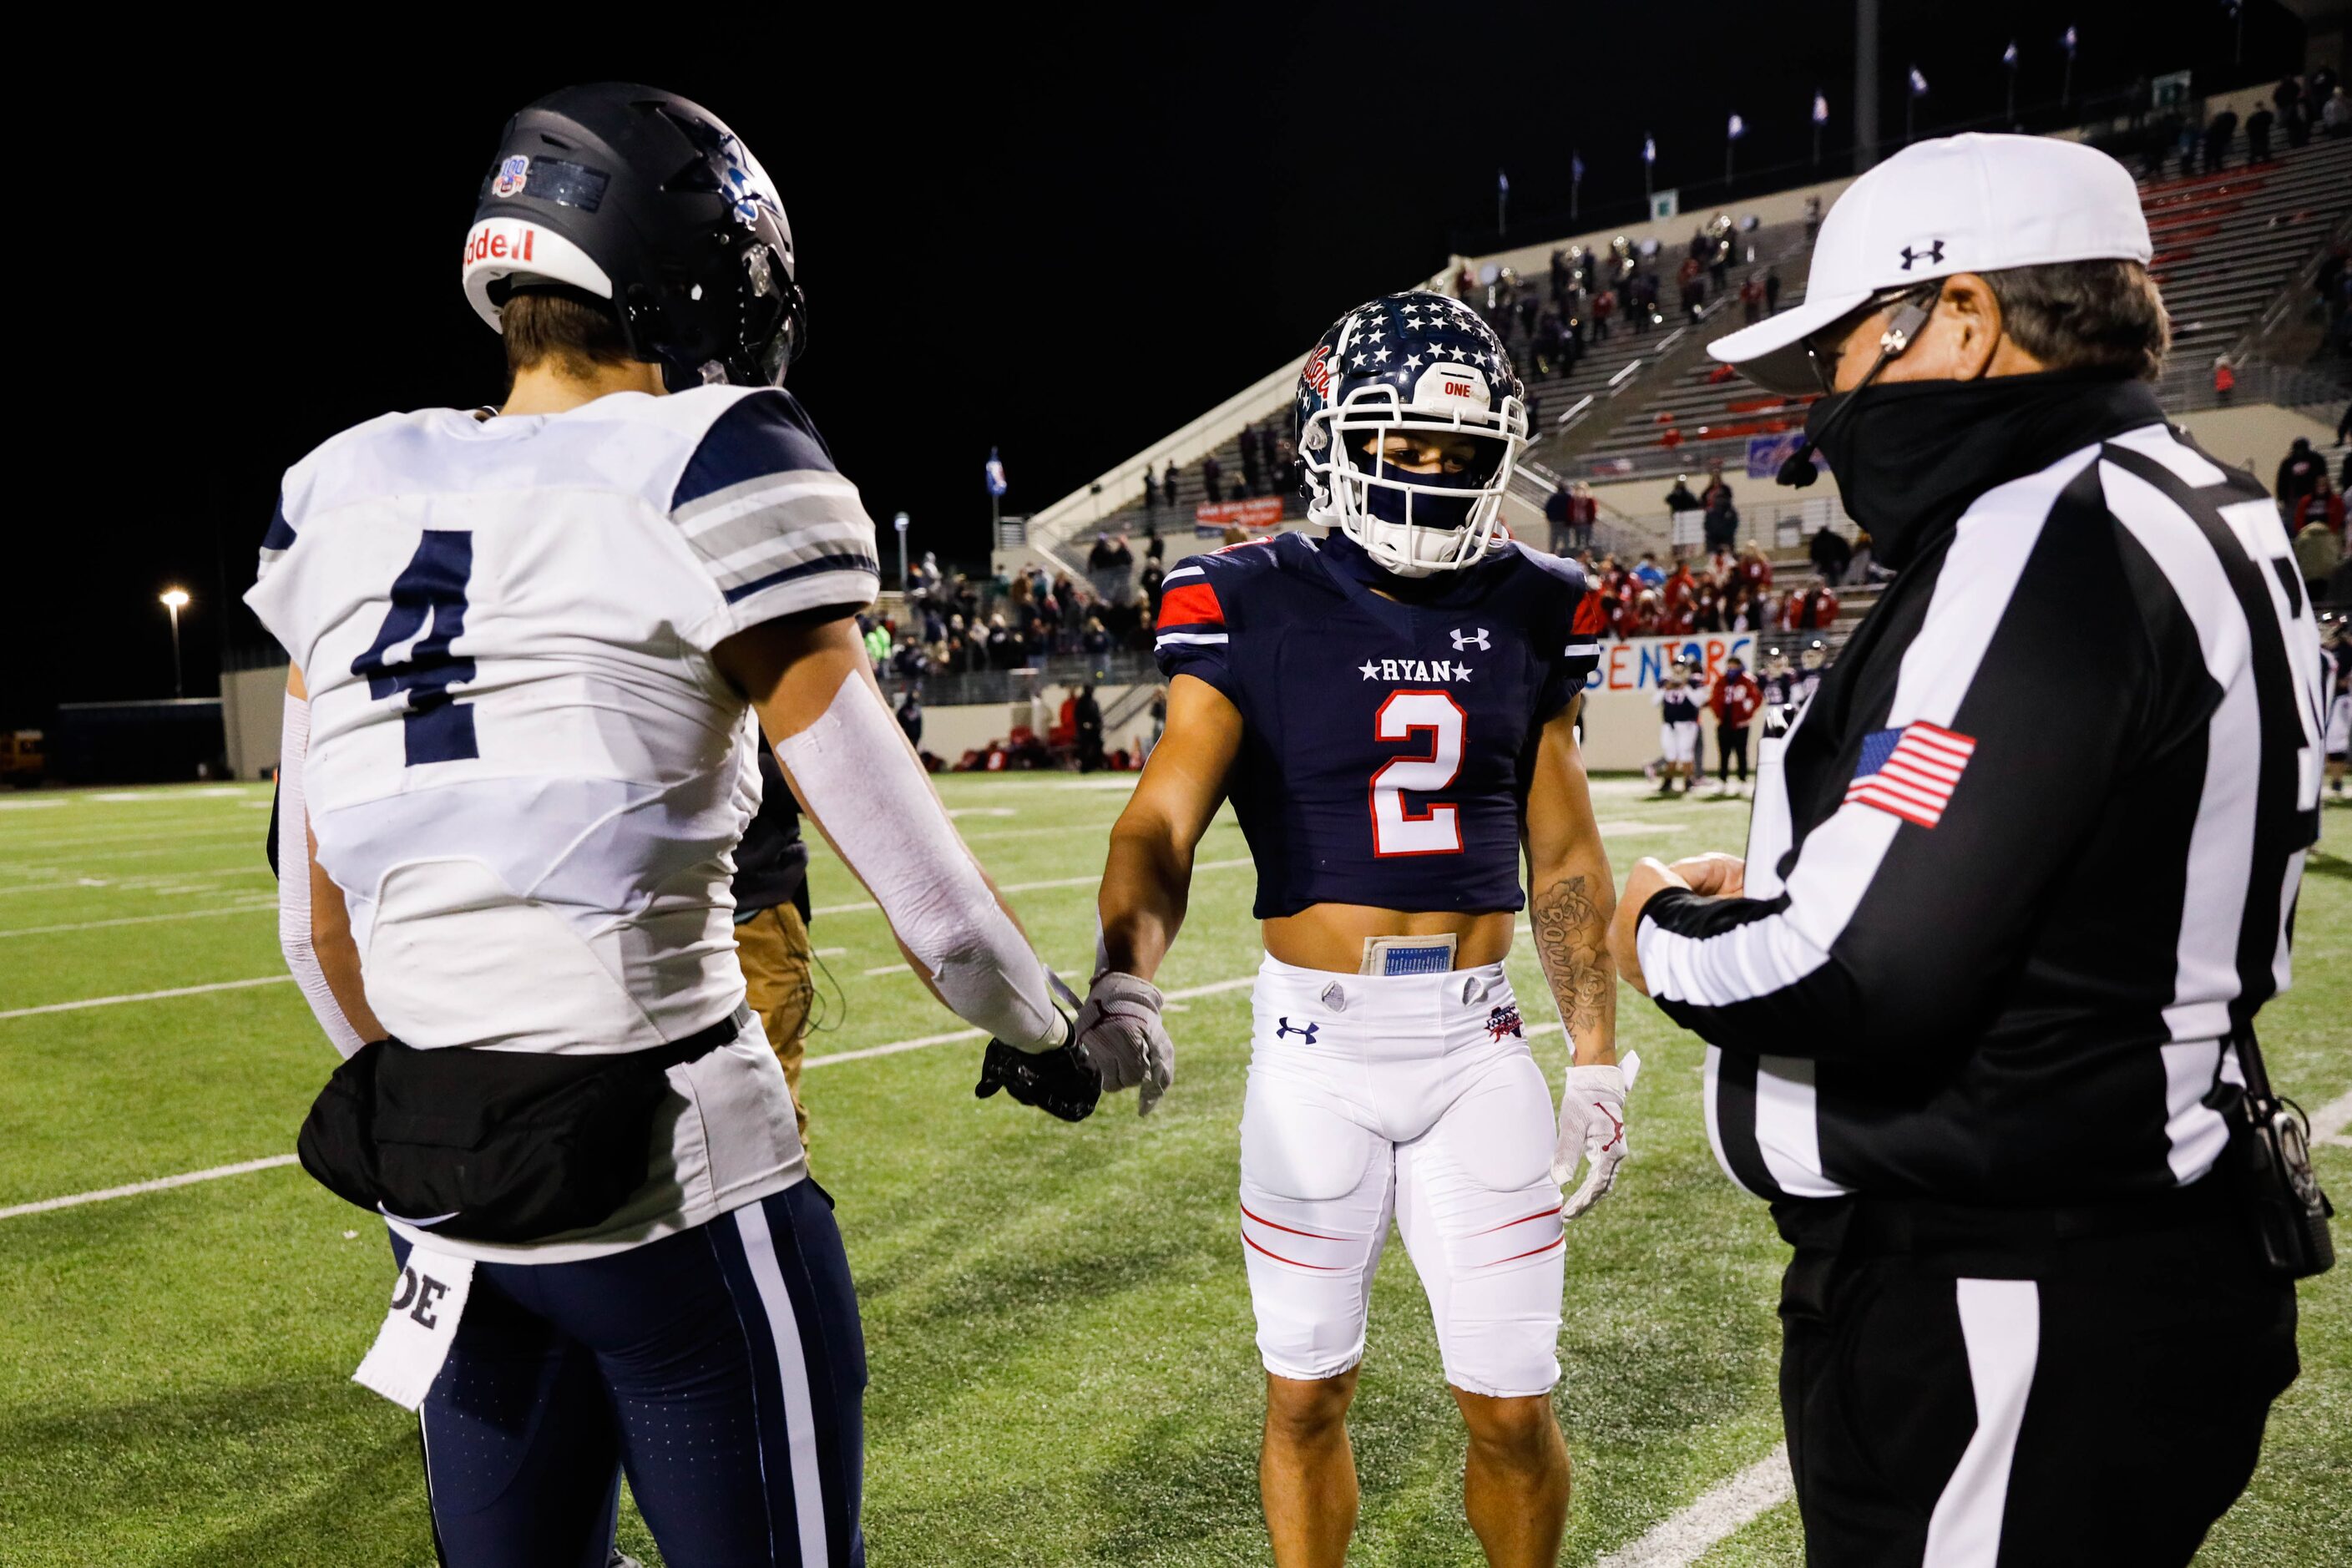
1058	1327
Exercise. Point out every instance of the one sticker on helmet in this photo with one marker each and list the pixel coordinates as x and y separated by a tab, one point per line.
1452	388
512	176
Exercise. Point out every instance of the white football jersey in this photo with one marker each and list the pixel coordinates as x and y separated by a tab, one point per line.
524	771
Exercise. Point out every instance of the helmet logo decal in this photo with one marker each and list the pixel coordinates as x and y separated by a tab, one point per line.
1317	373
512	176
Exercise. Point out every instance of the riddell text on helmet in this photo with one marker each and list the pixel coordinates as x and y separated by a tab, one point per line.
487	243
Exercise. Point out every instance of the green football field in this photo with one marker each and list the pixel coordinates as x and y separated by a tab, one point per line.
1057	1319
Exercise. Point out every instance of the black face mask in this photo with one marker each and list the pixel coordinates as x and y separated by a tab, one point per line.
1909	457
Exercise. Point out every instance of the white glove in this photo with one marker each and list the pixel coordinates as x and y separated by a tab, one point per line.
1120	1034
1593	1126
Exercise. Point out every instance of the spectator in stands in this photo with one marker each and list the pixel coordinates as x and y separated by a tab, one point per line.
1647	571
1556	511
1583	511
2287	99
1812	218
1722	565
1680	499
911	718
1004	650
1692	280
1679	588
1720	524
2324	504
877	645
1772	290
2220	131
1814	609
2258	135
1754	570
1641	618
1151	490
1674	620
1213	478
2337	118
1706	609
2298	471
2225	378
1751	299
1752	614
1829	554
1168	484
1604	306
2318	548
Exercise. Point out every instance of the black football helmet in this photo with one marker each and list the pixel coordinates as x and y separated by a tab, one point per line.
648	200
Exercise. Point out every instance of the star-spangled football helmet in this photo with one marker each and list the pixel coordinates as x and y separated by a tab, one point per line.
1417	360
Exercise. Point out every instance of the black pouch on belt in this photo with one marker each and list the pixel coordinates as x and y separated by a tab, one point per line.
2270	1160
493	1146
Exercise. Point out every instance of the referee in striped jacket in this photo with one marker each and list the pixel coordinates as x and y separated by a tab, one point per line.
1979	1000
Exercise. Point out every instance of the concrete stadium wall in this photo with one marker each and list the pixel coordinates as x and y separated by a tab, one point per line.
2255	435
253	714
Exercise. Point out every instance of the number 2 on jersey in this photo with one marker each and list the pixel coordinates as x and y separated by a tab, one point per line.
427	615
1436	829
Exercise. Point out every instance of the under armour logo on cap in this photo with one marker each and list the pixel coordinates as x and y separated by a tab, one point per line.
1933	254
1476	639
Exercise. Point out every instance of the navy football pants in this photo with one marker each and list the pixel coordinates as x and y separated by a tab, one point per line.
722	1368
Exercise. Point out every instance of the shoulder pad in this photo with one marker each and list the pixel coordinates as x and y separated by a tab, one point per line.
1557	566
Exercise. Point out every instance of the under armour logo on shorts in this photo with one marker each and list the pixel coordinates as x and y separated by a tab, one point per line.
1305	1032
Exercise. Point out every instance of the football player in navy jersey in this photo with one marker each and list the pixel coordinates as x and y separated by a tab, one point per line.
1390	709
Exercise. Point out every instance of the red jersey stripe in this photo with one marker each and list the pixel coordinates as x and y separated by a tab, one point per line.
1191	605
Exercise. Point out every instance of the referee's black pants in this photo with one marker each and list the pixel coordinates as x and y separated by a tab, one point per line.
1997	1391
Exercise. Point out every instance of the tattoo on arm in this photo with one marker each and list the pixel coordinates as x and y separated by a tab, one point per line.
1571	937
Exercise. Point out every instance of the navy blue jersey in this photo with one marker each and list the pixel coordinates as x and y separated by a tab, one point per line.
1388	743
1678	704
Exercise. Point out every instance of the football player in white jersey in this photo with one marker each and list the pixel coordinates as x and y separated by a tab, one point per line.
529	645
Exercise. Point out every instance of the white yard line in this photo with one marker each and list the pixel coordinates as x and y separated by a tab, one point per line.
146	995
2327	1124
143	920
157	1185
1684	1538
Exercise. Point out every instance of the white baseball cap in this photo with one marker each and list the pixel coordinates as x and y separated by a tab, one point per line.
1959	203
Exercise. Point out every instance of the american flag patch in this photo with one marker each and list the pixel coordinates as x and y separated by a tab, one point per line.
1911	771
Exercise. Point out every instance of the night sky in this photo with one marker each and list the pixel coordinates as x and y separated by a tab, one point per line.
1062	238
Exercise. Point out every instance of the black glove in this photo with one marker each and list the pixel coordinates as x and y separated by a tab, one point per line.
1059	1081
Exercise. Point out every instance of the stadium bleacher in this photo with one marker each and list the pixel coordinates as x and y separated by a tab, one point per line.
2226	244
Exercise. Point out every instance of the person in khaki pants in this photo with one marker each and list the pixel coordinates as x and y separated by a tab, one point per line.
771	915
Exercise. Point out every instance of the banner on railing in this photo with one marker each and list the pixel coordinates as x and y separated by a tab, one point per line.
1766	453
1258	511
1639	663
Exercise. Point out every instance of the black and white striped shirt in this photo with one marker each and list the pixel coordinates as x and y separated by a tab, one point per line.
2005	970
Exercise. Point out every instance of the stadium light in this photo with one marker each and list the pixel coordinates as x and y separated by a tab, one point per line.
175	600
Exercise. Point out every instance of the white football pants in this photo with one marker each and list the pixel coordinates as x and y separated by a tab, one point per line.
1413	1097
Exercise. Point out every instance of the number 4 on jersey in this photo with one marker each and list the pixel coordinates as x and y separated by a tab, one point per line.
410	652
1437	829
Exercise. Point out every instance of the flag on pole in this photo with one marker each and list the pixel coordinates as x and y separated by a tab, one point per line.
1576	168
2009	55
1649	149
2069	42
1502	183
995	473
1821	109
1737	129
1918	83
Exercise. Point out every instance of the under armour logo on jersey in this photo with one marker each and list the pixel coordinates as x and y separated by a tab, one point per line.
1305	1032
1476	639
1934	254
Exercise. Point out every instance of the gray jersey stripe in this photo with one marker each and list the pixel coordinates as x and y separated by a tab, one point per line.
706	511
770	541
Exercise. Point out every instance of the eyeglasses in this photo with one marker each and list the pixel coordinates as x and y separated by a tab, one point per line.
1825	353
